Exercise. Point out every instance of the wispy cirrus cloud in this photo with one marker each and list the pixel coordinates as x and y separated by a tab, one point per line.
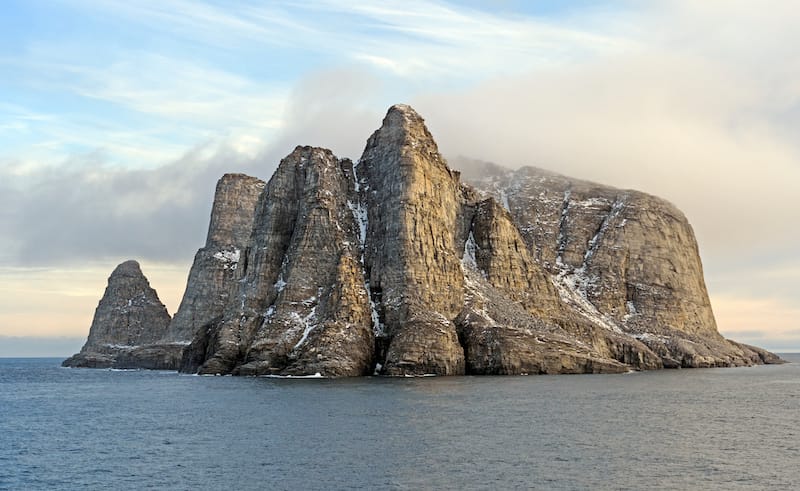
150	78
231	25
421	38
143	110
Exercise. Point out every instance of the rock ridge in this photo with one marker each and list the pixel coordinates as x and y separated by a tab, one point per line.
392	265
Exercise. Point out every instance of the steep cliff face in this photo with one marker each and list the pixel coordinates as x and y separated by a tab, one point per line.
301	305
129	316
622	259
391	265
412	249
216	267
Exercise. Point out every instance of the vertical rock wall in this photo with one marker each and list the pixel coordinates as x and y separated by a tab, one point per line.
301	304
219	264
412	255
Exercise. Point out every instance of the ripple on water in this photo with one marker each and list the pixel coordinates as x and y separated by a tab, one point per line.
689	429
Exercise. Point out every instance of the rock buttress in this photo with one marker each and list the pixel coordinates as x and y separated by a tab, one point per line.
221	262
412	254
301	306
622	259
514	320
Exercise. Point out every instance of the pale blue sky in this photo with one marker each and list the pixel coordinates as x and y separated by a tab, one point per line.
143	81
116	118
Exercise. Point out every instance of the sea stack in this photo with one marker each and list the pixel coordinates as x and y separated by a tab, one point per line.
129	316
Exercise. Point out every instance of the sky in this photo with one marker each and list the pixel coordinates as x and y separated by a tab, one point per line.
117	118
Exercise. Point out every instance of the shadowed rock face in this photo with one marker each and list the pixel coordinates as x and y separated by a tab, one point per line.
391	265
301	305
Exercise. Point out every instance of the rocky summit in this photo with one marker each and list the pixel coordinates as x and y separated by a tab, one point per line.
392	265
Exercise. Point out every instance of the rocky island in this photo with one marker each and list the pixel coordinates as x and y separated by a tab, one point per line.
394	265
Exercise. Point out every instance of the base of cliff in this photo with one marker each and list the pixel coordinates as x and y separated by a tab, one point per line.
147	357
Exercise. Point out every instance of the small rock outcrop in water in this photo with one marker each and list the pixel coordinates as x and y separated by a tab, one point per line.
392	265
129	317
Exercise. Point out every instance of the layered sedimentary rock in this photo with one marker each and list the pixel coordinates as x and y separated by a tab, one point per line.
129	316
412	245
625	260
392	265
216	267
301	305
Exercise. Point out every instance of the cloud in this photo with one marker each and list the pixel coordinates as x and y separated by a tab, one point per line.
161	105
421	39
171	74
696	122
86	210
334	108
762	322
235	26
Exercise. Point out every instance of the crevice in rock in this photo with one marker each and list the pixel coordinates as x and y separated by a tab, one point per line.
461	333
596	241
561	245
381	350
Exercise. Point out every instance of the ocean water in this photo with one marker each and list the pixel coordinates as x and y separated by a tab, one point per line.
706	429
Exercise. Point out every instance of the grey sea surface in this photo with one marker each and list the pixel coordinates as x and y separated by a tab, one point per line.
726	429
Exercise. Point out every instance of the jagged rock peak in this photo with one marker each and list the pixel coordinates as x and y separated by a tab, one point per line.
129	268
402	114
300	306
412	246
302	154
130	314
404	139
216	267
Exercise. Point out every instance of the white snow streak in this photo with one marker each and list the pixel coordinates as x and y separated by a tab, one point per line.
230	258
504	200
594	243
468	258
572	290
361	217
308	322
